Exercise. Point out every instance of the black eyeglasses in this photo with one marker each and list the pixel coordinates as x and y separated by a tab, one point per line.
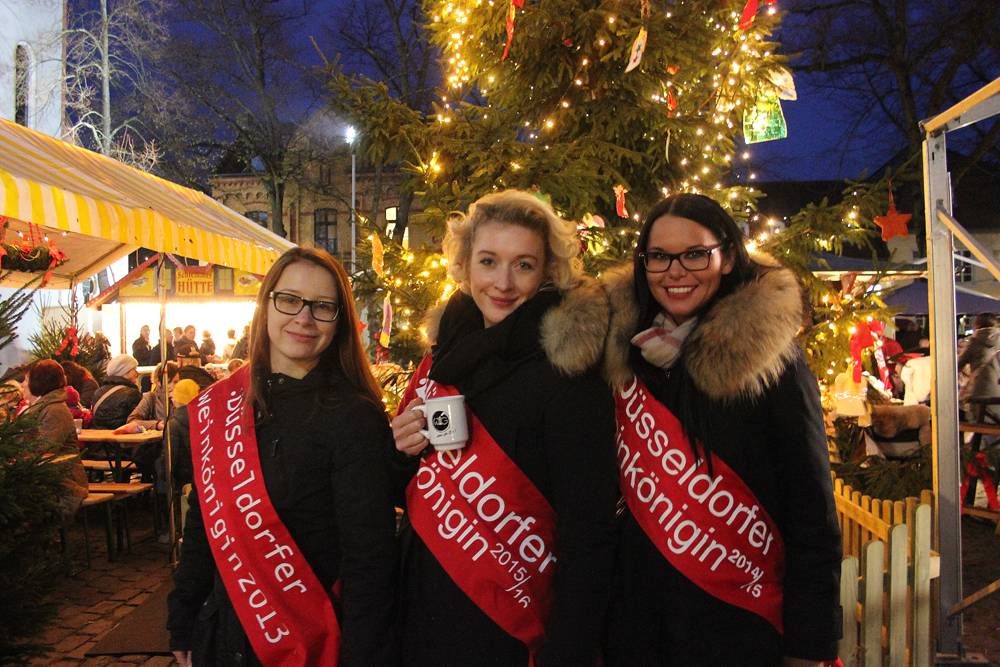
696	259
292	304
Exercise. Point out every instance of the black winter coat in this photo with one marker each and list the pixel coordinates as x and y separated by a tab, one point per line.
559	431
115	409
765	421
142	352
326	473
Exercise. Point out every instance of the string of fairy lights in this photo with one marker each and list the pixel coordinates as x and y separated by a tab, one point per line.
701	114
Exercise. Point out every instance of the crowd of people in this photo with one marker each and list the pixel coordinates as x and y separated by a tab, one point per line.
182	345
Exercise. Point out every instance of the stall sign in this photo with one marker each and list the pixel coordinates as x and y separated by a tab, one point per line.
245	284
143	285
194	283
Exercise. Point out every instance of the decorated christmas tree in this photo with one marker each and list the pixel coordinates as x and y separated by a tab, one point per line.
601	107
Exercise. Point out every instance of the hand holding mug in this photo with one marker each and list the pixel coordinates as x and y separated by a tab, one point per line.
407	429
447	425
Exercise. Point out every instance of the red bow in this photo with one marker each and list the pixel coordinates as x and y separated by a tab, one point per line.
979	468
863	337
70	338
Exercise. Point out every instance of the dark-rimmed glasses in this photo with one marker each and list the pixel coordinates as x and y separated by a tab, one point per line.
292	304
695	259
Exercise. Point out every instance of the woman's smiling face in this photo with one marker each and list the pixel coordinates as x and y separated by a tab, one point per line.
506	268
681	293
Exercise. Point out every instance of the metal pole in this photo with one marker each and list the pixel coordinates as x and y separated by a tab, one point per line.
168	459
944	395
353	209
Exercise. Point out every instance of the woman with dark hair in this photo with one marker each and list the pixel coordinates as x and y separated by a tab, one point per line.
81	379
517	560
289	551
46	384
729	550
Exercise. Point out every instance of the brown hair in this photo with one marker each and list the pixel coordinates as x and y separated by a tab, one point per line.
76	375
44	376
345	352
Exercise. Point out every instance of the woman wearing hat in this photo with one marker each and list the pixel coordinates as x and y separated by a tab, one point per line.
118	393
289	553
729	549
509	543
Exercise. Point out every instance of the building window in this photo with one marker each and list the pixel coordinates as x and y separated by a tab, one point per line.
325	175
963	270
325	226
22	84
260	217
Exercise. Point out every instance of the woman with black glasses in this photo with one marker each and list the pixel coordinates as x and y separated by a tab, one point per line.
289	550
729	550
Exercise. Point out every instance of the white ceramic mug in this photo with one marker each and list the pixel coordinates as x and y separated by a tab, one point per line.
447	427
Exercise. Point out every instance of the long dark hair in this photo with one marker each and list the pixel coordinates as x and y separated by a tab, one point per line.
693	406
346	353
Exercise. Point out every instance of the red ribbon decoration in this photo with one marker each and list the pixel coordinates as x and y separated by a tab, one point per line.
750	13
70	338
511	13
863	337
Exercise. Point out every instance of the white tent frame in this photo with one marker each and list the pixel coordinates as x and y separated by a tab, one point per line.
941	229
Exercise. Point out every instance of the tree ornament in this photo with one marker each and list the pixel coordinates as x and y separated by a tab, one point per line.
620	201
765	121
893	223
384	334
750	13
378	256
638	47
511	14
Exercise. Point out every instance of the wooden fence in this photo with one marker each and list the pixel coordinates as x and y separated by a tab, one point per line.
885	585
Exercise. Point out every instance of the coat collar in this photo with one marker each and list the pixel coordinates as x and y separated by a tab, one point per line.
740	346
571	333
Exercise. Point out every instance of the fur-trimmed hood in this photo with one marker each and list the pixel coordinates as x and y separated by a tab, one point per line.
740	346
572	333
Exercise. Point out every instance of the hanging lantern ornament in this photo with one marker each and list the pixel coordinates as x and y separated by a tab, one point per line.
893	223
378	256
765	121
638	48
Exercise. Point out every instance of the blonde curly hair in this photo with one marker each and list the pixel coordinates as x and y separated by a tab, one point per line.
515	207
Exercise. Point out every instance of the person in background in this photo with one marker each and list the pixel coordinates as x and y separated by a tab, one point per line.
712	387
178	432
167	339
227	351
186	346
242	347
81	379
46	382
103	349
178	334
980	357
76	409
118	394
151	411
141	349
207	348
311	428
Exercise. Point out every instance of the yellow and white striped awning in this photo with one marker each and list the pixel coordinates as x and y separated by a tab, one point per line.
98	209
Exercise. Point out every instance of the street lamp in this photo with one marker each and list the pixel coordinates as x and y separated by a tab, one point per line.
350	134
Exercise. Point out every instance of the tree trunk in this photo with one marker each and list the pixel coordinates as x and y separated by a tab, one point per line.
276	193
105	81
402	215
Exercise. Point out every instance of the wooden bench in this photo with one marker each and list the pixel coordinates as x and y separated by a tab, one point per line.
92	499
120	491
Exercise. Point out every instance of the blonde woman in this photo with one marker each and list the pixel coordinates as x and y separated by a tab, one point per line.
508	546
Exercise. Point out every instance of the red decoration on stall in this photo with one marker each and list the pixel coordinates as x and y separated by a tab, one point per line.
70	338
978	468
893	223
863	338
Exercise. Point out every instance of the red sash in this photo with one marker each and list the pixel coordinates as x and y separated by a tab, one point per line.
283	608
486	524
712	529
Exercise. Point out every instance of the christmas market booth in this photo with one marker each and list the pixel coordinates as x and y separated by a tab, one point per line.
213	298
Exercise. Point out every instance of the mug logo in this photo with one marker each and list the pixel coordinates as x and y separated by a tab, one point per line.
440	421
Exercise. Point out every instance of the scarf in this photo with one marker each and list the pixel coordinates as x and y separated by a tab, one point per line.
660	344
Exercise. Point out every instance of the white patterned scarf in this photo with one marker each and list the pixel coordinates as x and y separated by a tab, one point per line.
660	344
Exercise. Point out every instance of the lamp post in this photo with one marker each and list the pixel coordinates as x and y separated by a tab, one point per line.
351	134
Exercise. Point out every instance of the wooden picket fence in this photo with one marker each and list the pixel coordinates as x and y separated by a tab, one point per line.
885	581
